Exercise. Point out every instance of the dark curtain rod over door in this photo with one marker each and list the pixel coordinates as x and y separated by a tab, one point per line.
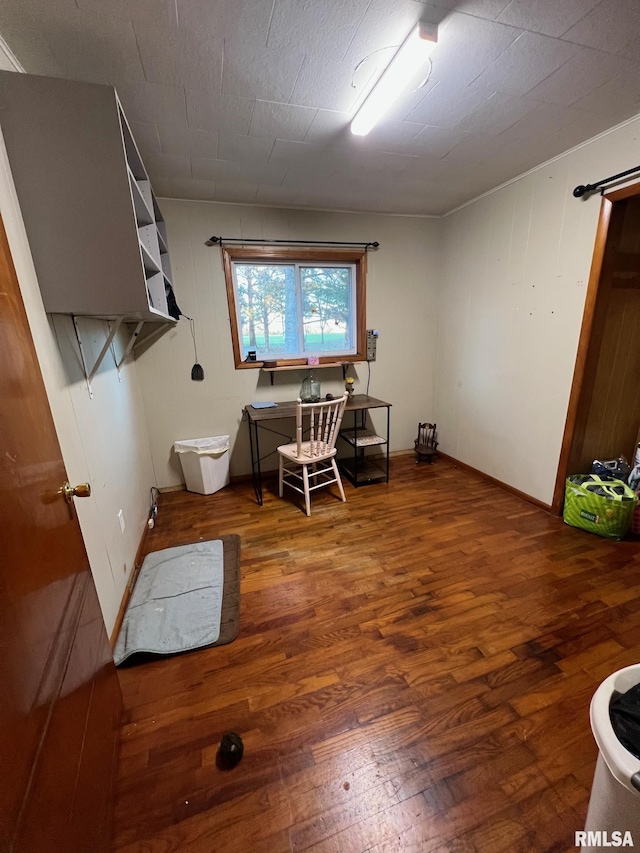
219	241
584	189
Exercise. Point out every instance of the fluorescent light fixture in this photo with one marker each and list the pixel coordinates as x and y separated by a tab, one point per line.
397	79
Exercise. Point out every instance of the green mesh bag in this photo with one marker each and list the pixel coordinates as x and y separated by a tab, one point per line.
601	505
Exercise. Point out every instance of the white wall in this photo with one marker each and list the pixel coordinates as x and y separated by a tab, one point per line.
103	439
515	273
402	278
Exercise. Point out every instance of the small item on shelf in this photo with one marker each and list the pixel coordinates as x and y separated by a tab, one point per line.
172	306
251	355
313	360
363	438
310	389
348	384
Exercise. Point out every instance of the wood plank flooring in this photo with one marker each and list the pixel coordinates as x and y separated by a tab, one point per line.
413	673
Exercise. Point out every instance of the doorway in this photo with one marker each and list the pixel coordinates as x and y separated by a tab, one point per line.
604	407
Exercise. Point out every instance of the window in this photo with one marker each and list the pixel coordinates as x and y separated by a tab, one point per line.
289	304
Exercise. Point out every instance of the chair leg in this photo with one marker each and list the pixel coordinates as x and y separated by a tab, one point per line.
307	502
280	476
338	480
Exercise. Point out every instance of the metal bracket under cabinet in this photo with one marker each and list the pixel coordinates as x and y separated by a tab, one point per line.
156	333
113	331
131	344
89	374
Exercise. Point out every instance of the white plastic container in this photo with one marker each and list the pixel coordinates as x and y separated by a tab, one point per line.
614	805
205	463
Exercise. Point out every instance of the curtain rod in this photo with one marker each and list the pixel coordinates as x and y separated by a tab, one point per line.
589	188
218	241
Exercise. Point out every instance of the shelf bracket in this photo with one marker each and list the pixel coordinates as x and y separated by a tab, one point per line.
150	337
130	345
89	375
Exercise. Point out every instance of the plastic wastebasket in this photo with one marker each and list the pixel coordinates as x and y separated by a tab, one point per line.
205	463
614	805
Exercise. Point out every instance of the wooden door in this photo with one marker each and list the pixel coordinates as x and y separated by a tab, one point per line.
604	407
59	693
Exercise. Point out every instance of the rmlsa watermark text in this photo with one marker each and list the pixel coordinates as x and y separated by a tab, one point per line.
604	839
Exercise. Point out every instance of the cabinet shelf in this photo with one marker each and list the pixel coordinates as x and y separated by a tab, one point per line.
166	267
162	235
368	461
362	438
101	257
150	265
143	214
361	472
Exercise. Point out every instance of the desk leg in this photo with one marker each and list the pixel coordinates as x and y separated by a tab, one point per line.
388	439
256	472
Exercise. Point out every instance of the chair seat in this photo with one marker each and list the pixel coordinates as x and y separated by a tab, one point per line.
425	450
291	452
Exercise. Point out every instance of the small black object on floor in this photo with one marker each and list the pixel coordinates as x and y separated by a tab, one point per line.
230	751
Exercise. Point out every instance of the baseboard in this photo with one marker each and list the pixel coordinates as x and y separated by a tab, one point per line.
126	596
457	464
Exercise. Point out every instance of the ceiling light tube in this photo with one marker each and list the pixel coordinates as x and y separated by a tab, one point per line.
397	78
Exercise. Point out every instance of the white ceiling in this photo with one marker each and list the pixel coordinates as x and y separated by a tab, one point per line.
250	100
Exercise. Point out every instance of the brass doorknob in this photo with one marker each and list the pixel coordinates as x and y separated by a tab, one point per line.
83	490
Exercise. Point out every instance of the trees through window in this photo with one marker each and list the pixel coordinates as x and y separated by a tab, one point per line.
288	308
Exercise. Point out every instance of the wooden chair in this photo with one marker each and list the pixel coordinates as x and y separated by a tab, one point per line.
309	465
426	446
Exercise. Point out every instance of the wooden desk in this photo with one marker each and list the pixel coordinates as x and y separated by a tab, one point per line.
354	469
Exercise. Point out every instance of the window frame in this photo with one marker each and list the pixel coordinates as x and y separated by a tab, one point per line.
274	255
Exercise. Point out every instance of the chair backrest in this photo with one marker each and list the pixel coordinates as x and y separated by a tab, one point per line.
325	418
426	436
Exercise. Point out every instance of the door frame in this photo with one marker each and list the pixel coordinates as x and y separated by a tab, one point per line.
586	334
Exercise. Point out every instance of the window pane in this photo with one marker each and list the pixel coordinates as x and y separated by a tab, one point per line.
267	309
326	309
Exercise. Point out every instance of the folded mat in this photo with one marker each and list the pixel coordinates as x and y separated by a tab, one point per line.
185	598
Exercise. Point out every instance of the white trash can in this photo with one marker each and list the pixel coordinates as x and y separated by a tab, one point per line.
205	463
614	805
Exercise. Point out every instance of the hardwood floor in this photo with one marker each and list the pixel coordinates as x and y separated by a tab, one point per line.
413	673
